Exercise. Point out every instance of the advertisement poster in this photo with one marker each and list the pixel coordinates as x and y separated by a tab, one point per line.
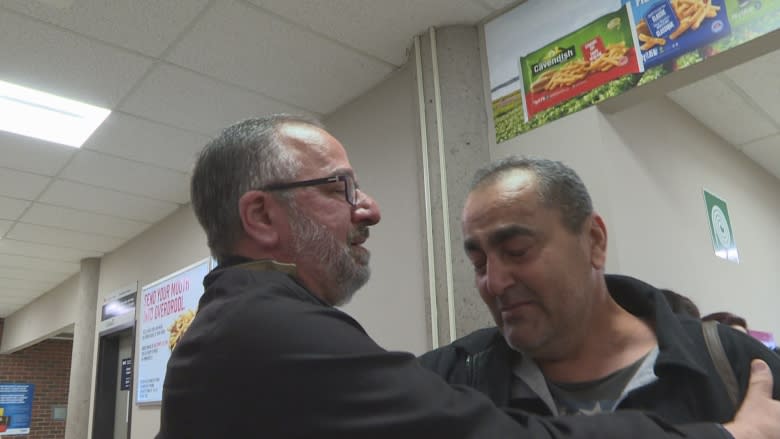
669	35
667	29
749	19
15	408
597	53
167	309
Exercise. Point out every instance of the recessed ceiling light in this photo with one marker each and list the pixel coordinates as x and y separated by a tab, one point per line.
46	116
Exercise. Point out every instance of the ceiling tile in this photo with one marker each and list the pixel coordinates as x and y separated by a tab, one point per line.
760	79
102	170
81	221
127	136
4	226
23	273
66	64
147	26
11	208
330	76
21	184
25	285
378	27
32	155
63	238
107	202
10	246
28	263
187	100
723	110
765	152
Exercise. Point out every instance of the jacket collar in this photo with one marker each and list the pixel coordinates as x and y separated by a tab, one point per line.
676	348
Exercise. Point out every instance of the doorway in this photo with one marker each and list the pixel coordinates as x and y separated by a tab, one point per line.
114	385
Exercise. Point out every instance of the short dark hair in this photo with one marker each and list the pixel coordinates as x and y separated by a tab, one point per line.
558	186
726	318
245	156
681	304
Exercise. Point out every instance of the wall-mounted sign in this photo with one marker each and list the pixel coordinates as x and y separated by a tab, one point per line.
15	408
721	232
592	56
118	310
667	35
167	307
668	29
126	377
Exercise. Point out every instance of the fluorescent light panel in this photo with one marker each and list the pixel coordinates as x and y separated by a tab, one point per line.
45	116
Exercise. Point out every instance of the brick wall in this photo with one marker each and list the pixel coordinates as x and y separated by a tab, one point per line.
47	365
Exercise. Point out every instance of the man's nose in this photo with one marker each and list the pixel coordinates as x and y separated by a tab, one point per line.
499	276
366	211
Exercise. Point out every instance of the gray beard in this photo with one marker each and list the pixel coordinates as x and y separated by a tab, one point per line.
345	271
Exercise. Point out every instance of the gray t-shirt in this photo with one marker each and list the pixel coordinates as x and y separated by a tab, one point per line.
592	397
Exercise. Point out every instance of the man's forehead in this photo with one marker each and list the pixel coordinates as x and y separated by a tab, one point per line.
315	148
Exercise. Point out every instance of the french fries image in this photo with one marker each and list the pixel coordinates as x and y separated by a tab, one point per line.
650	42
567	75
611	58
179	326
690	13
685	23
578	70
542	81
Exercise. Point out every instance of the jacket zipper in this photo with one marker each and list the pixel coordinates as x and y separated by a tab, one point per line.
470	369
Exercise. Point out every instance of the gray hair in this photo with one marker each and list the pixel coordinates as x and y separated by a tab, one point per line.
245	156
558	186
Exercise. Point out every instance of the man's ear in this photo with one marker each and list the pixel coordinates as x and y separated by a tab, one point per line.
598	241
257	212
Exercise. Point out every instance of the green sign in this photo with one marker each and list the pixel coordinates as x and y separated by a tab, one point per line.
721	232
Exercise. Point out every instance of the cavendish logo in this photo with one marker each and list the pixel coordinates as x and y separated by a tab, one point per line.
556	55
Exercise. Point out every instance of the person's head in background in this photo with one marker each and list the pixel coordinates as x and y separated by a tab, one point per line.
728	318
681	304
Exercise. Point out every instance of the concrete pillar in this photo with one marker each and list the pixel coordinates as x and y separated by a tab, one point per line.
80	389
456	133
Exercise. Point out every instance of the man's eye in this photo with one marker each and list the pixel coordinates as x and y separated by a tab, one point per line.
517	252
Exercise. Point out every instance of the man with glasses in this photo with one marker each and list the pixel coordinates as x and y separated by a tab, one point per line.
268	355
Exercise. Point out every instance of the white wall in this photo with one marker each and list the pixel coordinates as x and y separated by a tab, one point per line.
44	317
381	135
660	158
645	168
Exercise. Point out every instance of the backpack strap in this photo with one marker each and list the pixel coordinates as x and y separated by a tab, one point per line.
718	355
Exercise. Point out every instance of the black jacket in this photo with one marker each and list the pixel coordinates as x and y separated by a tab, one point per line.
264	358
688	388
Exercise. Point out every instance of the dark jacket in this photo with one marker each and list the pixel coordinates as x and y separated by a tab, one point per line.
687	389
264	358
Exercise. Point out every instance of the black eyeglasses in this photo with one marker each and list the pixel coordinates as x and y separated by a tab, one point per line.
350	186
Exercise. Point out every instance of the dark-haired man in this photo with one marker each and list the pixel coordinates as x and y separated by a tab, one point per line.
570	339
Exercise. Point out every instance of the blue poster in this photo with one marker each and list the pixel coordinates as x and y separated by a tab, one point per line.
15	408
667	29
